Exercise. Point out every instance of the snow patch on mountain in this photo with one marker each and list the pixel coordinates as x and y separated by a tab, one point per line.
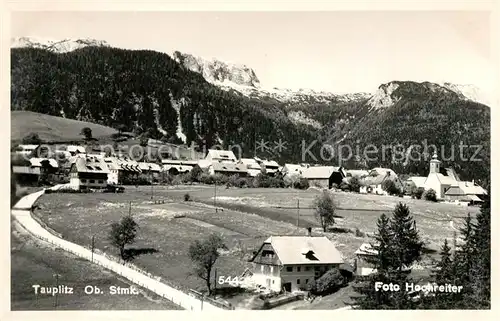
382	98
469	92
57	46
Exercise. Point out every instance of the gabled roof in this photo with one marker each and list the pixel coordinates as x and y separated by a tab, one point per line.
28	146
305	250
37	162
270	163
91	165
444	180
319	172
357	172
229	167
75	149
366	249
149	167
419	181
292	169
217	154
179	168
383	171
250	163
470	188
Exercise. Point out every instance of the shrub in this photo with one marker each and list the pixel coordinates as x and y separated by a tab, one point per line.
195	173
358	233
417	193
206	179
302	183
187	197
430	195
344	186
390	187
354	184
328	283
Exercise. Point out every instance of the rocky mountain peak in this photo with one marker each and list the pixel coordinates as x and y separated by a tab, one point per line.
57	46
218	72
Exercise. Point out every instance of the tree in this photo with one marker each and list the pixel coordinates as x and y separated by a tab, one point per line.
32	139
325	209
121	128
354	184
407	246
44	171
196	173
204	254
430	195
87	133
417	192
144	140
123	233
390	187
445	273
328	283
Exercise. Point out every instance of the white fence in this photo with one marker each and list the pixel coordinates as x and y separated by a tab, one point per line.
178	297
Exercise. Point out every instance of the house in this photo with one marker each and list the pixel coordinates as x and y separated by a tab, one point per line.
323	176
175	166
75	149
114	170
269	166
291	262
26	149
220	155
227	169
52	163
252	166
364	252
373	183
88	172
465	192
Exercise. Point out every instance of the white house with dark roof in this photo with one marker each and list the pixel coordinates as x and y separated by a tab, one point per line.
216	155
26	149
291	262
373	183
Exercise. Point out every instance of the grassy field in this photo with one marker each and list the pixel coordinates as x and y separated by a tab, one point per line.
166	239
249	216
35	262
50	128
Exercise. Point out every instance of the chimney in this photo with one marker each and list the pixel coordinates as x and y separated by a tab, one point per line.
309	229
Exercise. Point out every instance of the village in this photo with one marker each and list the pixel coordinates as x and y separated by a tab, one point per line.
284	262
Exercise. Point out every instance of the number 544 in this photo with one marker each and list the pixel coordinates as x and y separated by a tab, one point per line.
232	281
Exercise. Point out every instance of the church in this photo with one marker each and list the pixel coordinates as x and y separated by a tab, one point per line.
447	184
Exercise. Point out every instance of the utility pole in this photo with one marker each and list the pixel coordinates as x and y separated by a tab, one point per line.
215	283
130	208
152	191
57	286
298	213
92	246
215	195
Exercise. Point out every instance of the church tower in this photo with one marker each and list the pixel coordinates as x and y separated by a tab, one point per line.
434	164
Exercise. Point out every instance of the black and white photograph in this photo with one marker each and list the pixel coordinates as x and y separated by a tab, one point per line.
250	160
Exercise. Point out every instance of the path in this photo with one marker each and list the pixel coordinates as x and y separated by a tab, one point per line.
22	213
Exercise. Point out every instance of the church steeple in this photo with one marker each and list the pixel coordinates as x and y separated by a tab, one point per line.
434	164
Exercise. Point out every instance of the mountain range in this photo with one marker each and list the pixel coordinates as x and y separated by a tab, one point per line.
183	98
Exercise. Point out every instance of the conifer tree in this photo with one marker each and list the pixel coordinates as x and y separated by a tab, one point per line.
407	245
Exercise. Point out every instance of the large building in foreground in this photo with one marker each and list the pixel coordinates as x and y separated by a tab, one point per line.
291	262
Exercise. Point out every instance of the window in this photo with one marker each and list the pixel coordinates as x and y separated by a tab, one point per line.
84	180
316	268
289	269
298	268
307	281
298	281
90	167
91	181
272	268
98	168
308	268
273	281
101	181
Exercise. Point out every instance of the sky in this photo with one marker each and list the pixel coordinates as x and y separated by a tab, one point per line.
342	52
